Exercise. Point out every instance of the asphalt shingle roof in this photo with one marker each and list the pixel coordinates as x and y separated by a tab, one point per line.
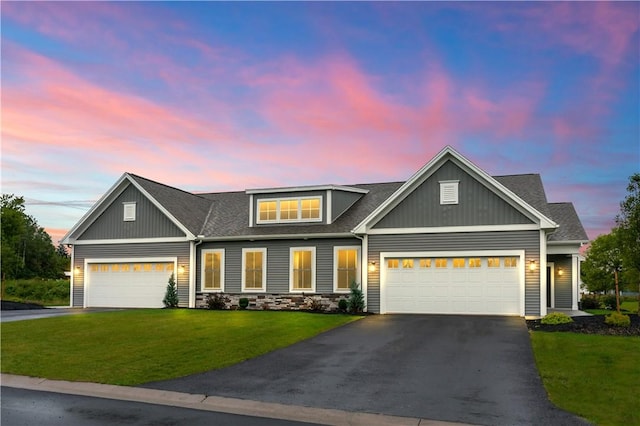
528	187
564	214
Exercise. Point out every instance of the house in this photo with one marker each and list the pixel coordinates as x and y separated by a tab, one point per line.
450	240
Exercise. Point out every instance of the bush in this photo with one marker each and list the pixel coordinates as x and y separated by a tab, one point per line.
618	320
555	318
171	296
608	301
243	302
343	305
356	299
37	290
590	302
217	301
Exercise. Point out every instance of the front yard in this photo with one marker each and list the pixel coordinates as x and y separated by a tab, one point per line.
137	346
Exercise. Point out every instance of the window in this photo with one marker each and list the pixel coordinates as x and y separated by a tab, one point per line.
449	192
104	268
137	267
159	267
147	267
441	263
129	211
306	209
510	262
115	267
302	272
169	267
393	264
493	262
425	263
93	268
346	261
474	262
254	269
407	263
212	270
124	267
458	262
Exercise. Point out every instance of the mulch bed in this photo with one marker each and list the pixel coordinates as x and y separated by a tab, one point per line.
590	325
12	306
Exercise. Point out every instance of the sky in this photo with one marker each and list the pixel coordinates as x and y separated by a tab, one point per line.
218	96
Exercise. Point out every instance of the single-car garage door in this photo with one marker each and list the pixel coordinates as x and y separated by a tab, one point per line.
128	284
452	285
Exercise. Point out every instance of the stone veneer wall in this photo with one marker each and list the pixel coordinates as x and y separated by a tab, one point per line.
279	302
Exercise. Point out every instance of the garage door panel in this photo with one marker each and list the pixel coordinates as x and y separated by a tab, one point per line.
472	287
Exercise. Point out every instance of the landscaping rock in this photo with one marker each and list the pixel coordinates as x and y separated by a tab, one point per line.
590	325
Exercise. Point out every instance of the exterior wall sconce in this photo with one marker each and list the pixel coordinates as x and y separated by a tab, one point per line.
560	272
181	269
532	265
76	270
372	266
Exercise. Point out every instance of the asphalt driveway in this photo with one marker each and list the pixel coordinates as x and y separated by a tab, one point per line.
470	369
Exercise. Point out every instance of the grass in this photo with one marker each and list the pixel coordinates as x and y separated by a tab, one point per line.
593	376
137	346
41	291
626	307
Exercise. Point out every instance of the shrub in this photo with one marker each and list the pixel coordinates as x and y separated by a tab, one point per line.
590	302
217	301
356	299
555	318
618	320
316	306
171	296
608	301
243	302
343	305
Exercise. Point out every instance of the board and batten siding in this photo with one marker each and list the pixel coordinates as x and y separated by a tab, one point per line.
150	221
477	205
124	251
529	241
278	263
562	283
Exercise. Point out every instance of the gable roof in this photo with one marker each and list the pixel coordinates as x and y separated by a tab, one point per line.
570	226
450	154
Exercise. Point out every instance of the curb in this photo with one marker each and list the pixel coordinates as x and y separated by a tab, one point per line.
216	403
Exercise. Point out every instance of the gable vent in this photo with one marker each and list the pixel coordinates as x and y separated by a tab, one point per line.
449	192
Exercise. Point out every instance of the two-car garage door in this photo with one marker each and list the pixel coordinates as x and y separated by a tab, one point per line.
452	285
137	284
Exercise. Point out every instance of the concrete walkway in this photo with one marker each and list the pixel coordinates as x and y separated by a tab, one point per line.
215	403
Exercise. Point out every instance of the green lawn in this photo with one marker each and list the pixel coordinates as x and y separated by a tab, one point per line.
596	377
627	307
138	346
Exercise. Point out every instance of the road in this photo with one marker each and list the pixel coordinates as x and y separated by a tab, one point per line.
21	407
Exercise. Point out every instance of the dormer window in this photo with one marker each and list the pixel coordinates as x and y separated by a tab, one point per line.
129	211
286	210
449	192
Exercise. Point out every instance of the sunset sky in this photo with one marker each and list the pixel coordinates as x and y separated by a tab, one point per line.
227	96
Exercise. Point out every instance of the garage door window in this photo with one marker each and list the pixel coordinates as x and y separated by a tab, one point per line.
474	262
510	262
493	262
407	263
393	264
441	263
425	263
458	262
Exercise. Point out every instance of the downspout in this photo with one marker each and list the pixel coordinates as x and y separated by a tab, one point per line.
192	271
364	262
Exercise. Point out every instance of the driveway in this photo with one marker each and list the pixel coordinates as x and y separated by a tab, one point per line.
470	369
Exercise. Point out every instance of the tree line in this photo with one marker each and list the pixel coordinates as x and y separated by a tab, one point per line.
27	249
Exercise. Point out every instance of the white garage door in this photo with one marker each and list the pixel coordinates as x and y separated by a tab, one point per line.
128	285
452	285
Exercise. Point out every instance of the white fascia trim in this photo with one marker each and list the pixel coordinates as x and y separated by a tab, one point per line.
73	275
359	274
329	206
313	270
453	253
88	261
428	169
264	270
131	241
575	287
202	265
552	273
568	242
563	249
279	237
454	229
364	256
251	208
306	189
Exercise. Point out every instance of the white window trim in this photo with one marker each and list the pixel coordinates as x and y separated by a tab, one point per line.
264	270
278	200
335	267
313	270
202	274
129	207
445	187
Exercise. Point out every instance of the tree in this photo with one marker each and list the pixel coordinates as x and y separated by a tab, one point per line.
601	269
356	303
628	222
171	296
27	250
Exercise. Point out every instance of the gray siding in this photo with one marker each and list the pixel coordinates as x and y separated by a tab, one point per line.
341	201
179	250
321	194
477	205
562	283
150	221
277	262
517	240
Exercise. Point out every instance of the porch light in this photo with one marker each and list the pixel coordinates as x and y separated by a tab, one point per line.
181	269
560	271
372	266
532	265
76	270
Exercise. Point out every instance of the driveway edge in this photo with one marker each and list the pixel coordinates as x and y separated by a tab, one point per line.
215	403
